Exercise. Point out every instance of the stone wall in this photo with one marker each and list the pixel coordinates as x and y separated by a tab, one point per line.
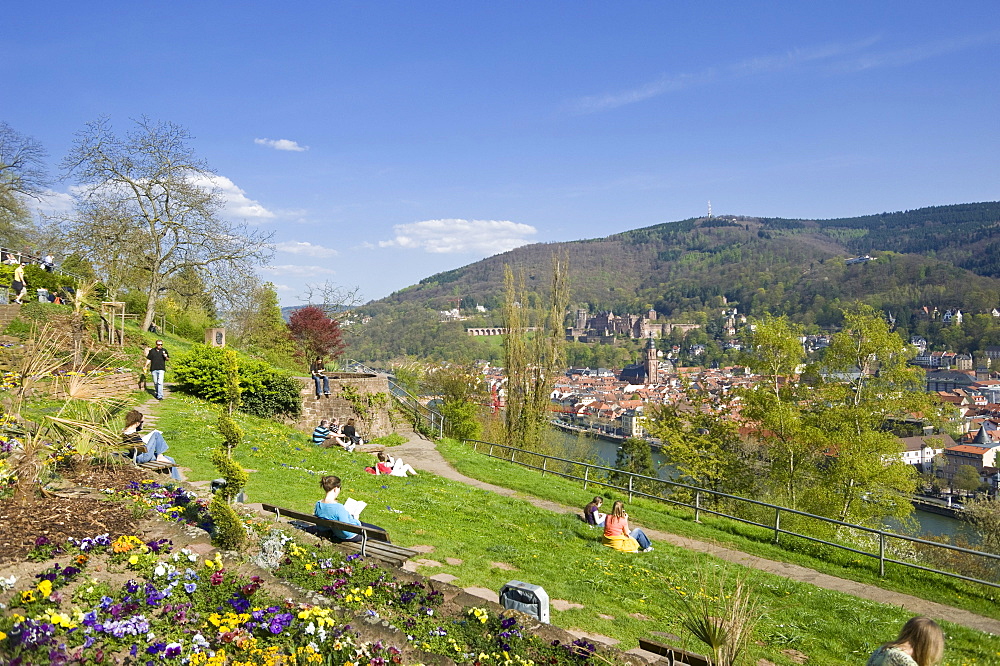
377	424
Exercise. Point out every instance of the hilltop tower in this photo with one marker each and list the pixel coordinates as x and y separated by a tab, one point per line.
652	363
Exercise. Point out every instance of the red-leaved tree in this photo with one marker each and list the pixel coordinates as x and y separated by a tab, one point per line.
316	333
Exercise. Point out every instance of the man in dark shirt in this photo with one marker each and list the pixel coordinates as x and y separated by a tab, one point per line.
157	358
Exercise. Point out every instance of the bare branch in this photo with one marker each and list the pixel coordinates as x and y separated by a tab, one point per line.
163	205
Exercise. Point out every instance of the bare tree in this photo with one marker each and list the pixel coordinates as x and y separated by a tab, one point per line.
333	299
148	208
22	175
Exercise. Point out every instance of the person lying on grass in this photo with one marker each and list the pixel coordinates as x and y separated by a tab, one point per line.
617	535
331	509
394	466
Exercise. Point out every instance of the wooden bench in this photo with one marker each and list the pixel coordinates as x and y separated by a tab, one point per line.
374	541
674	655
132	451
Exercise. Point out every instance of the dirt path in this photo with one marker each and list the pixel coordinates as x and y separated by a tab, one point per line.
422	454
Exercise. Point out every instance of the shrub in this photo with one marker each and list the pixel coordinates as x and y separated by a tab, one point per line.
277	394
266	392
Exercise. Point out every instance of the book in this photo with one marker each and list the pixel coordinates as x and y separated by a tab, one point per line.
355	507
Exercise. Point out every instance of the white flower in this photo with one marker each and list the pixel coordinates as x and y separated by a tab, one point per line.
310	628
160	570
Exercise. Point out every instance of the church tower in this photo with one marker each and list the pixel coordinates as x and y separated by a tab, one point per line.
652	363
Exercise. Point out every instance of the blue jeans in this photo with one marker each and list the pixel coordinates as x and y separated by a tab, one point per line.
325	382
158	383
641	537
155	446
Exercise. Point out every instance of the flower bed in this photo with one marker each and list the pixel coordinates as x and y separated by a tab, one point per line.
130	601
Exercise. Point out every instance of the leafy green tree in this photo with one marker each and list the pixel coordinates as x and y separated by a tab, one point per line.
704	449
966	478
773	409
260	330
636	457
984	514
462	389
868	381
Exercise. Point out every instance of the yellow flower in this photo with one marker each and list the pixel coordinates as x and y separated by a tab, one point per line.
134	559
45	587
27	596
369	591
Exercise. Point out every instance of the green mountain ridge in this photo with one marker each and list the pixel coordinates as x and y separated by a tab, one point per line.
945	256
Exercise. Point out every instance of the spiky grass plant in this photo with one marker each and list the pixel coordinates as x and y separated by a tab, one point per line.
722	614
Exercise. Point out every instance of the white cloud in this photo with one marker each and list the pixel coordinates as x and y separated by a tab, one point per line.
281	144
452	236
237	204
291	270
307	249
53	204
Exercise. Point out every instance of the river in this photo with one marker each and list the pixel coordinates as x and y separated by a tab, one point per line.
582	447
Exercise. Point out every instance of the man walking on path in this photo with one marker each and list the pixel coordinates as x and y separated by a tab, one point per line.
157	358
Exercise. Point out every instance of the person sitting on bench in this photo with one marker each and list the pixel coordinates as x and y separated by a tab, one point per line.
153	441
331	509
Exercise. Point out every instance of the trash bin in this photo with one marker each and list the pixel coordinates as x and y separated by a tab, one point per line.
43	295
527	598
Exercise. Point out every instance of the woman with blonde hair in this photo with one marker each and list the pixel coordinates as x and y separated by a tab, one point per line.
920	643
617	535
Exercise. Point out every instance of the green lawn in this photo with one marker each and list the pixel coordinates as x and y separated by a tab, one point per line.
977	598
557	551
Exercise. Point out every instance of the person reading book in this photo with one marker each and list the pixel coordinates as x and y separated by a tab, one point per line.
347	512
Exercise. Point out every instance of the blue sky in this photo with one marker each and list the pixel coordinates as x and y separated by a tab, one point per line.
383	142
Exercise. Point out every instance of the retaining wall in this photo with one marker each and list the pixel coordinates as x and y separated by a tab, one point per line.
377	424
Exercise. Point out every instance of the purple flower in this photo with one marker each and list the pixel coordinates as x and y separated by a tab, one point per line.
190	587
156	648
173	650
239	604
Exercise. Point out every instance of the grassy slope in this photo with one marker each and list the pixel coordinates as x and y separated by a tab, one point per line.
556	551
746	538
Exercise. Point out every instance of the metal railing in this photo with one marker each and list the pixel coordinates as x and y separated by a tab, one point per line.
604	476
419	413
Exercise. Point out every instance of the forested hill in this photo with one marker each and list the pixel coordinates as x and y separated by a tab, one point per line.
679	265
945	257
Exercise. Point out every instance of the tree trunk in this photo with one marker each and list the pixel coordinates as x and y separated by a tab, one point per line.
154	290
